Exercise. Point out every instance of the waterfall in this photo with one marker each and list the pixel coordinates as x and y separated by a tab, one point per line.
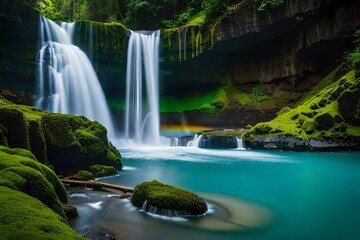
196	141
142	66
163	212
67	82
239	143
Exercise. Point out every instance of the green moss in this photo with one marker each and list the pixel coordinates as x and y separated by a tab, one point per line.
167	197
33	178
37	140
24	217
84	175
59	130
258	94
18	151
98	170
308	122
283	110
13	119
267	5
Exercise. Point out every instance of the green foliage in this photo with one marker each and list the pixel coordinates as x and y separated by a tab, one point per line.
98	170
198	12
169	197
267	5
84	175
24	217
214	8
354	56
258	94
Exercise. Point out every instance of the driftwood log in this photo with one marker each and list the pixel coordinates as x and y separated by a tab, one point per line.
95	184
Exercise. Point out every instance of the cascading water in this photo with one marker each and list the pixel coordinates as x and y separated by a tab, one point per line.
142	118
67	82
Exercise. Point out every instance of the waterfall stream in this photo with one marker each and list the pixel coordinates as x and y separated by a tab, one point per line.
142	118
67	82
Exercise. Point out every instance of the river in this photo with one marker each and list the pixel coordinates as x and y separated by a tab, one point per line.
251	195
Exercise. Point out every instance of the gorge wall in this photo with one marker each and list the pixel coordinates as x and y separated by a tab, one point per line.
283	52
286	51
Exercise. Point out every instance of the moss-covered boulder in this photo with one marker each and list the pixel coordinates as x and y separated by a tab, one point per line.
348	105
69	143
324	121
25	217
164	199
84	175
75	143
99	170
25	174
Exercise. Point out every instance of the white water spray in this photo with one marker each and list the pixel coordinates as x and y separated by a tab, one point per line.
142	118
67	82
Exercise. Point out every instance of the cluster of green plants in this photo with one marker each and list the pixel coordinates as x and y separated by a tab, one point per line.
206	10
353	57
267	5
258	94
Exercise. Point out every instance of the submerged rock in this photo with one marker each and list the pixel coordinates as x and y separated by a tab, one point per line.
162	199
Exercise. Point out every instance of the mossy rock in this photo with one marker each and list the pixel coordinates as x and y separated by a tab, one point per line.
324	121
69	143
13	119
309	126
75	143
70	211
37	141
102	170
348	105
29	176
25	217
261	128
84	175
283	110
166	197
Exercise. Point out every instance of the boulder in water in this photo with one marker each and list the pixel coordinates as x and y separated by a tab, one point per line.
162	199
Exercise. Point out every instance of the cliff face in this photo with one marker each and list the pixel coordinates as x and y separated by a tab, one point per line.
18	46
286	50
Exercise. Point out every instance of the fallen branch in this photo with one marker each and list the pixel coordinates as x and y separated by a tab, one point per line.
94	184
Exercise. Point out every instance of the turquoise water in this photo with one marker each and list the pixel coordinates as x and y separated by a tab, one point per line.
309	195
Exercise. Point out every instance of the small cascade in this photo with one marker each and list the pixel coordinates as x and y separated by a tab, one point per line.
66	81
143	66
174	142
163	212
239	143
196	141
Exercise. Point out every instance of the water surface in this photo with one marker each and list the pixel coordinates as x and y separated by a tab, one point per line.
302	195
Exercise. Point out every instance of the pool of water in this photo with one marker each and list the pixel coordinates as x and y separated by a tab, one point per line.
252	195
